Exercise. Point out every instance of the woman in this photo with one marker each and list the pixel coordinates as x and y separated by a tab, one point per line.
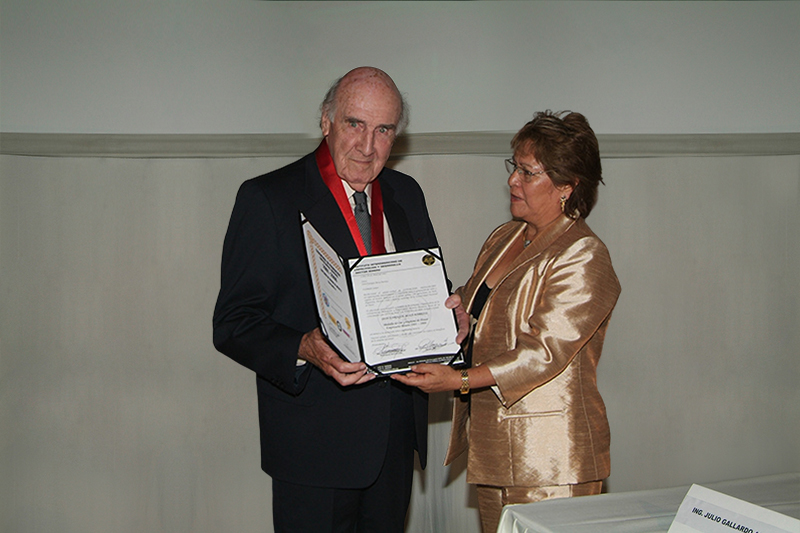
541	295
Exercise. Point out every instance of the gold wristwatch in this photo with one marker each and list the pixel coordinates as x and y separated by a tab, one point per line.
464	381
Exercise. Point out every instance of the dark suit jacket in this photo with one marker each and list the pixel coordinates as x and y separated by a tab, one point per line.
313	431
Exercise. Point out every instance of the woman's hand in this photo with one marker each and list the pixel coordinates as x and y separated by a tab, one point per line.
431	377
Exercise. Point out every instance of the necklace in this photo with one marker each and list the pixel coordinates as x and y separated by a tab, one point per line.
525	240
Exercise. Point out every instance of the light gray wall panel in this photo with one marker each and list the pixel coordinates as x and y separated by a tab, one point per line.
700	368
216	66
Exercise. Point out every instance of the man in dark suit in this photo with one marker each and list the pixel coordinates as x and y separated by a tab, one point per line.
337	442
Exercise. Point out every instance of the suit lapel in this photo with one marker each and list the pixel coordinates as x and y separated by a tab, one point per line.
534	249
321	209
492	256
542	241
396	218
318	204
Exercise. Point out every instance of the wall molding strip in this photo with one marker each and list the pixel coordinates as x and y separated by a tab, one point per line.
612	146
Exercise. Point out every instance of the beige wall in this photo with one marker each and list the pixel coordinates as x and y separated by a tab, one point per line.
118	415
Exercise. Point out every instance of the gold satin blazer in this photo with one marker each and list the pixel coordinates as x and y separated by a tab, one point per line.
540	333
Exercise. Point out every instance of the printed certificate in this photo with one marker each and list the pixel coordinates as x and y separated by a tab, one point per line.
386	310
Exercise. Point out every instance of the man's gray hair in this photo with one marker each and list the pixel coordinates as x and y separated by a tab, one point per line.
328	107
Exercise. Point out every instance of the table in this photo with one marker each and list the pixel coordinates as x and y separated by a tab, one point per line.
645	511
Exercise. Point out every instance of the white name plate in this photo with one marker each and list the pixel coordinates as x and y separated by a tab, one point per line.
706	511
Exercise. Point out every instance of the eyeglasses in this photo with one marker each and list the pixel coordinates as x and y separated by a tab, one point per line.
526	175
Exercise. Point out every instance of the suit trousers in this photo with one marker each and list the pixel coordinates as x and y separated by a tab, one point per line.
380	507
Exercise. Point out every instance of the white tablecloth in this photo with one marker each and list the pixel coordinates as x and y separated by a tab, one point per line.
642	511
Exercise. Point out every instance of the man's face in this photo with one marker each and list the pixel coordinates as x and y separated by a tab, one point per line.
361	136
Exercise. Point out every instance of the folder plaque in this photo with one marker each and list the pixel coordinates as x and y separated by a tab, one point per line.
386	310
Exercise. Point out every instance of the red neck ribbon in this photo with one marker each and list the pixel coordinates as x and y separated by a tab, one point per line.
334	183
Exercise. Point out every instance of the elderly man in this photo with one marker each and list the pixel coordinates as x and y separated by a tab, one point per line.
338	443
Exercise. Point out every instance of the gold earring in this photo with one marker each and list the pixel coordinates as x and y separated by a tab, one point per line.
563	203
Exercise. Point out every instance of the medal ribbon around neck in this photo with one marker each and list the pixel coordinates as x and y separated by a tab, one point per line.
334	183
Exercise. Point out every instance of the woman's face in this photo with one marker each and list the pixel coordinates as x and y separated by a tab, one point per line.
534	199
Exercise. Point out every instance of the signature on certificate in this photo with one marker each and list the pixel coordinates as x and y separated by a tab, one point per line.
428	345
390	349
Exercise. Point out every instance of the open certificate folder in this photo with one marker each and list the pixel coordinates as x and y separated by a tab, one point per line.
386	310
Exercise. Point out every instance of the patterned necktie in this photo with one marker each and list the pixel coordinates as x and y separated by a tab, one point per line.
362	218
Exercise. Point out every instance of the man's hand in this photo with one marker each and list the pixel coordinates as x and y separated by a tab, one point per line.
315	349
454	302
